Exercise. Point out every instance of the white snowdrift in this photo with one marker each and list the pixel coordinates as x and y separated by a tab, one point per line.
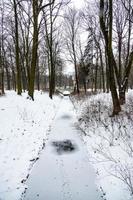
24	128
109	142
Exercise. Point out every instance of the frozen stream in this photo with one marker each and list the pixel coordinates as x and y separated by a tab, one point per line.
63	171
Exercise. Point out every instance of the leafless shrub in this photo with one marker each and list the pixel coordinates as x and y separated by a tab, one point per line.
113	132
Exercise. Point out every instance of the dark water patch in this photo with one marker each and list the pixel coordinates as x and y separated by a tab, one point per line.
65	146
66	117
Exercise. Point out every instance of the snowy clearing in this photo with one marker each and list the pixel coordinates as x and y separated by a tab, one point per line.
109	142
24	128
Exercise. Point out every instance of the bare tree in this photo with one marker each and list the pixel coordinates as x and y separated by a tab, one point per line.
2	59
107	33
37	7
19	84
50	16
72	24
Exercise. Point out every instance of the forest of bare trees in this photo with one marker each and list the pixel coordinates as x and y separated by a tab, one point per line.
38	39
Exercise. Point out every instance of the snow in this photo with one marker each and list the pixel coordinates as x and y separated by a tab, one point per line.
27	126
66	93
109	141
23	131
63	175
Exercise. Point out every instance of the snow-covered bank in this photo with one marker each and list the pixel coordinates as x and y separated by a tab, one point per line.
23	131
109	142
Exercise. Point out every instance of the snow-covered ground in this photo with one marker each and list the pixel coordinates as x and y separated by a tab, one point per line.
24	126
63	171
109	142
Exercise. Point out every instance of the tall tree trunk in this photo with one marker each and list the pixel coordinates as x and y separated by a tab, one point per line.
122	91
24	79
34	49
27	52
52	75
128	62
38	76
102	70
129	31
49	40
2	79
1	72
108	43
116	103
75	66
96	71
51	88
8	78
107	72
119	50
19	86
14	79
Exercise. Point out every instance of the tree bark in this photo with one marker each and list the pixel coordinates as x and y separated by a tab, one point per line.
8	78
102	70
34	49
124	85
108	42
75	66
19	86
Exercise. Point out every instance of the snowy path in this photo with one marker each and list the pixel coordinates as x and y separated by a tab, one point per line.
61	175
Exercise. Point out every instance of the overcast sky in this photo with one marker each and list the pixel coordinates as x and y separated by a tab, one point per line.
69	66
78	3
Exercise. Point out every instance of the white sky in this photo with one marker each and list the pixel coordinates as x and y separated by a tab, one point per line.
69	69
78	3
